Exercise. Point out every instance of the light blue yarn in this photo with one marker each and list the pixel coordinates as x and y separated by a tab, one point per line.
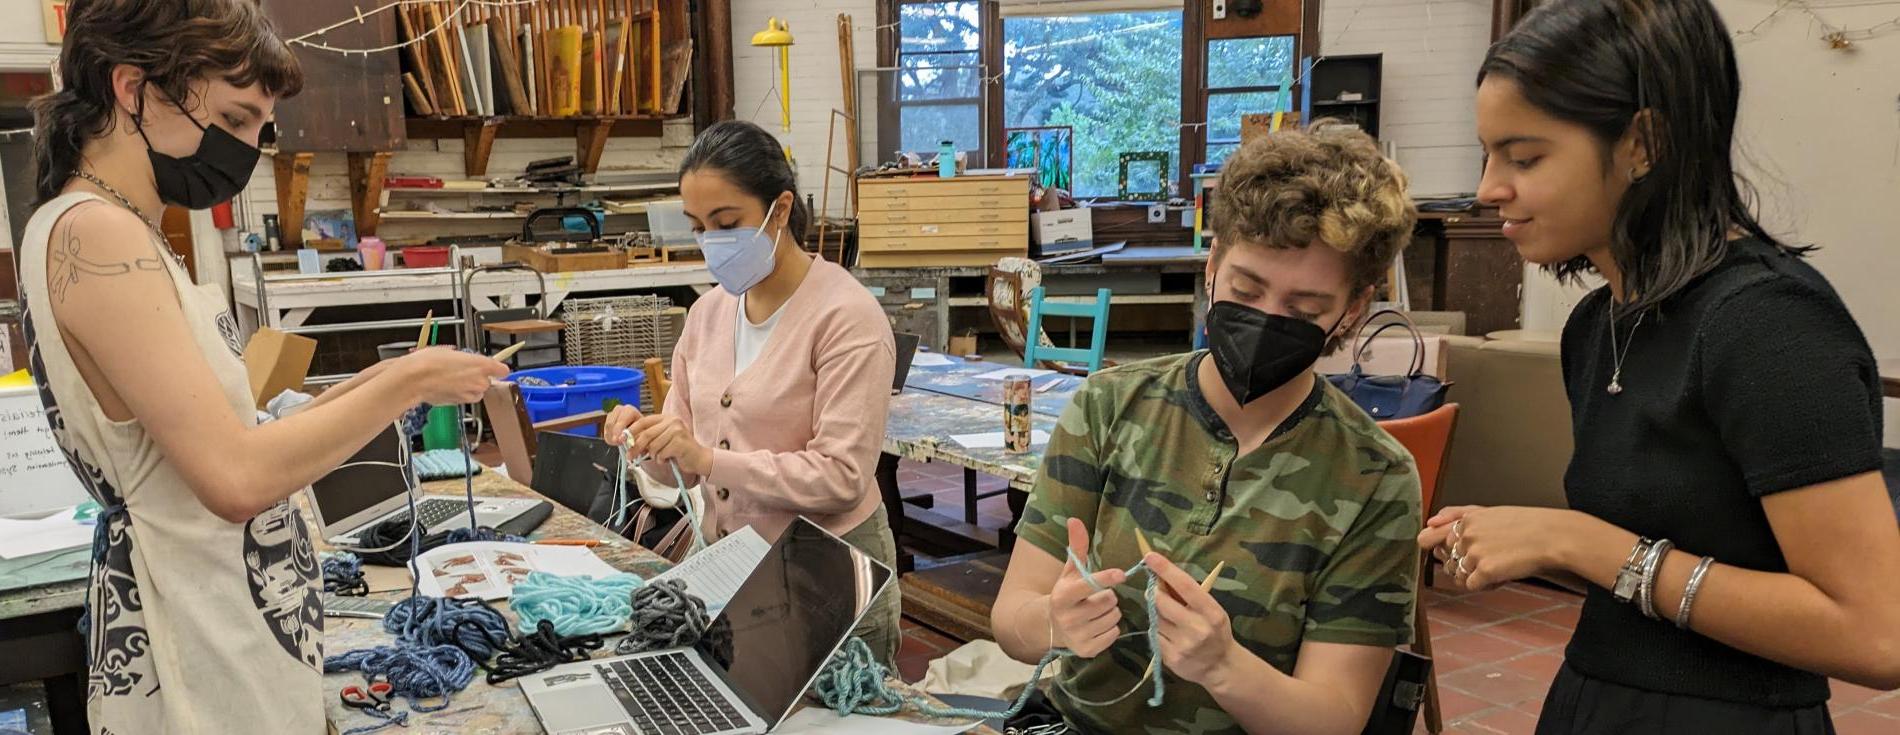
578	605
855	682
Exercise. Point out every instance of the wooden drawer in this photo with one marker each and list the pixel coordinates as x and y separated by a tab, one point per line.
947	243
1007	202
980	229
900	188
942	217
904	259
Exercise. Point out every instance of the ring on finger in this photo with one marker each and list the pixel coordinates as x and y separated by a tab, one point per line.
1461	567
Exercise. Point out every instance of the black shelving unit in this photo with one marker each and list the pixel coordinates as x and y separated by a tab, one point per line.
1349	75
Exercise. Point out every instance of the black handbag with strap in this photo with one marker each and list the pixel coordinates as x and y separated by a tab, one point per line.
1386	397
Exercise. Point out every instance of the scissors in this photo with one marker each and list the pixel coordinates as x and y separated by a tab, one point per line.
373	697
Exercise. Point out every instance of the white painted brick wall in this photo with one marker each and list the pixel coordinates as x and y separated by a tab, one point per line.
1432	50
816	86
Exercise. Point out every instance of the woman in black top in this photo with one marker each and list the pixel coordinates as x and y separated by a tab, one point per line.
1722	398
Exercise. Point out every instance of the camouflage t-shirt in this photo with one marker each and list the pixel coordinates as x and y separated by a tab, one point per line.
1317	527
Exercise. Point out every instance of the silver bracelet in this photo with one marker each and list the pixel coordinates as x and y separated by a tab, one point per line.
1629	579
1688	593
1652	566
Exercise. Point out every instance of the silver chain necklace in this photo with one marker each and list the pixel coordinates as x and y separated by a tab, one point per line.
126	202
1616	374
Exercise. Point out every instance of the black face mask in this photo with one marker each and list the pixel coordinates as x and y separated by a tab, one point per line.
218	170
1257	352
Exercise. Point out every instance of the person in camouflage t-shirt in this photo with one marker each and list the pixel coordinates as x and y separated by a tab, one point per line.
1239	456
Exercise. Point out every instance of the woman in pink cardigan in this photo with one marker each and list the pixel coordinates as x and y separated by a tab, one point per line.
781	379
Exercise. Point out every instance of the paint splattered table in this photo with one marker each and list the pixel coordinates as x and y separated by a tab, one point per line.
481	709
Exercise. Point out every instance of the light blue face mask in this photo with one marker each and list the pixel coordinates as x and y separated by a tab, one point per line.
740	258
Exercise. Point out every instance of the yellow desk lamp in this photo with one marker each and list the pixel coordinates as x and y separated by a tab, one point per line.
778	34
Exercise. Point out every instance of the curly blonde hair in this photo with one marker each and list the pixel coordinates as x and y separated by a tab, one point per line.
1326	184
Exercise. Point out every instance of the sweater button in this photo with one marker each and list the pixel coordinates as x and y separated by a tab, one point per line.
724	493
725	401
723	444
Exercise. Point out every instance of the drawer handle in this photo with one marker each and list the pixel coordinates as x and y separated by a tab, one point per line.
900	205
990	229
991	202
990	189
992	243
900	218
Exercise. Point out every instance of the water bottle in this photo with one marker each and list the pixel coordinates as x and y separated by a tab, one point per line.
947	159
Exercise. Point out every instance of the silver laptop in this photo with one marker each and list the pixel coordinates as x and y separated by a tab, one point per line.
351	500
760	655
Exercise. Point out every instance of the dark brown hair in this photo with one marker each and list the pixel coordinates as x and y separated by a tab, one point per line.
1597	63
749	157
1328	185
174	42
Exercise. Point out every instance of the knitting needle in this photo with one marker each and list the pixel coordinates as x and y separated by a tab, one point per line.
587	542
509	351
427	322
1141	540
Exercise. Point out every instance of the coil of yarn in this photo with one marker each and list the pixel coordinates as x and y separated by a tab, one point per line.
574	605
665	616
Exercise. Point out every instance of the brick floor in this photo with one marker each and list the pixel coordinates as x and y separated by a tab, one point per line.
1498	650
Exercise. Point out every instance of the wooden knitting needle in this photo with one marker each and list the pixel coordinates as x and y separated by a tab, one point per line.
427	322
509	351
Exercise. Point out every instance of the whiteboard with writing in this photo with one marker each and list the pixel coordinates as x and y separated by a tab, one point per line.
34	476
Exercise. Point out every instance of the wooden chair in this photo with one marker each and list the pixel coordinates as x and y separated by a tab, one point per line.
1428	438
515	432
657	383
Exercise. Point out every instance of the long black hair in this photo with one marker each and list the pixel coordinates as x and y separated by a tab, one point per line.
744	154
1598	63
174	43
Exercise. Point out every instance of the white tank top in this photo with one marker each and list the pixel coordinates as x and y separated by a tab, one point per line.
195	625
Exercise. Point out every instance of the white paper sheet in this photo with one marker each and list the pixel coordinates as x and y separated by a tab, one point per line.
994	439
490	569
715	572
1007	373
51	533
930	360
821	721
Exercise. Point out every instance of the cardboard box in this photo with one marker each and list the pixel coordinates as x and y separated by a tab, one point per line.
1061	231
277	362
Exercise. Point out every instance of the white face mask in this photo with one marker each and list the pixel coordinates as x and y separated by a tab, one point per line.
740	258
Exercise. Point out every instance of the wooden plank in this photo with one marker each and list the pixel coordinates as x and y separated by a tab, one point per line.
292	174
447	59
478	141
957	598
418	60
510	61
349	102
367	171
418	99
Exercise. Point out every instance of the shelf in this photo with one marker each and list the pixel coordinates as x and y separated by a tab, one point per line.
588	189
1345	103
590	133
396	215
1124	299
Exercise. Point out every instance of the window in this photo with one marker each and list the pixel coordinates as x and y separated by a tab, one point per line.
1243	77
939	91
1115	78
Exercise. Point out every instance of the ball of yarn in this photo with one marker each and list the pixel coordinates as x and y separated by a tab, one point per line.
665	616
469	625
413	671
578	605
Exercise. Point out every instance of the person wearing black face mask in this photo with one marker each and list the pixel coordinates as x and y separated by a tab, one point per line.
202	606
1237	455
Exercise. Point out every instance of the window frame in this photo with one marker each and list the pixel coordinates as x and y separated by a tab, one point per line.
890	119
1195	37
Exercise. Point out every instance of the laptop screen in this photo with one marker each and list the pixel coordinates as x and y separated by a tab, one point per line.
348	491
790	614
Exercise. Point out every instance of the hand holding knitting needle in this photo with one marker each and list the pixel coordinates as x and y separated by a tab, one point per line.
1197	639
1081	617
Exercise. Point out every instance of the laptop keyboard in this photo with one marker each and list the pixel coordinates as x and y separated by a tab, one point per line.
433	511
667	694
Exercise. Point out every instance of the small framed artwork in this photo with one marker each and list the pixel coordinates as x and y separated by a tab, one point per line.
1144	176
1049	150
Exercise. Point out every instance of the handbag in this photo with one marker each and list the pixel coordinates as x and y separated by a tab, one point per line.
1401	695
1387	397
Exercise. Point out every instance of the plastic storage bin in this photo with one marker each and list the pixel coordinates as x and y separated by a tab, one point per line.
573	390
425	256
669	225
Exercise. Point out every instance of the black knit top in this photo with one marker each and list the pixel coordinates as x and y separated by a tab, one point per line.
1751	381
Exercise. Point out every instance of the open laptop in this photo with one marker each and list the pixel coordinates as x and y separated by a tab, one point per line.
760	655
906	352
351	500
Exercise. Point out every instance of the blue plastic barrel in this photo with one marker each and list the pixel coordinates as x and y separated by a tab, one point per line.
573	390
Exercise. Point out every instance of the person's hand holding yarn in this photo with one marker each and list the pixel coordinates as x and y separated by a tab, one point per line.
1084	617
667	437
1197	639
618	421
449	377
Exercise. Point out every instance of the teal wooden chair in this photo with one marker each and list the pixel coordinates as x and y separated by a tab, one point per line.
1035	353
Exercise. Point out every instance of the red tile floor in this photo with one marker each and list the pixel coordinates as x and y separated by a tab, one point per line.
1497	650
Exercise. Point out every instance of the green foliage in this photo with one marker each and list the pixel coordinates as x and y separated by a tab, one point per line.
1114	77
